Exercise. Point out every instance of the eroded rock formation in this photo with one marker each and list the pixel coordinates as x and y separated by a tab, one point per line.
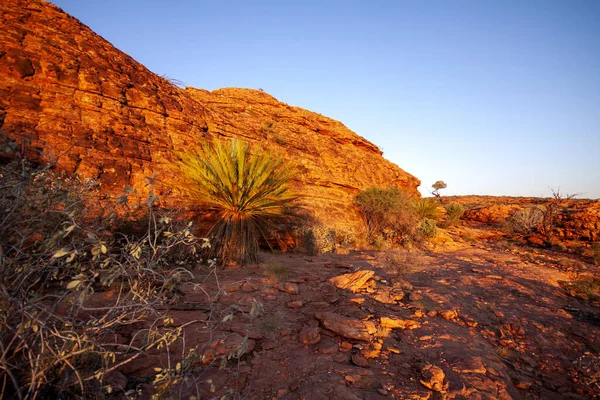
71	97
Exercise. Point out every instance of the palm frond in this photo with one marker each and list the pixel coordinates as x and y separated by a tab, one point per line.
248	190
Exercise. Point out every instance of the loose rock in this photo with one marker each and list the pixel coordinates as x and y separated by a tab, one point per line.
309	335
359	360
347	327
353	282
433	378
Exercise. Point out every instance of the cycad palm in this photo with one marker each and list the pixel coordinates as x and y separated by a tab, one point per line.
247	191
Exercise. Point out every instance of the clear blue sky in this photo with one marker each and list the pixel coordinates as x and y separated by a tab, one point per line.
493	97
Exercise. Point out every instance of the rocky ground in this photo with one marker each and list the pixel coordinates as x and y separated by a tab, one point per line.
476	316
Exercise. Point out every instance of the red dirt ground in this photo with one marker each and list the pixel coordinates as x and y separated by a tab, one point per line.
492	315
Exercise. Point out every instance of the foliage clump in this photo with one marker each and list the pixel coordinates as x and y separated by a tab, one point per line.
427	227
247	192
57	254
427	208
437	186
389	214
319	238
454	213
525	221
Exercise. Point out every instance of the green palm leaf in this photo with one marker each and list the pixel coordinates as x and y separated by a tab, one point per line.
247	190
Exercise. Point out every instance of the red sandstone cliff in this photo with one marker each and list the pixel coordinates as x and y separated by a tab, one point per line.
68	94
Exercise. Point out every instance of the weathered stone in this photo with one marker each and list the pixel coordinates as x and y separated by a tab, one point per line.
67	91
415	296
359	360
328	346
295	304
309	335
354	281
346	327
387	296
402	284
449	315
469	366
394	323
290	287
433	378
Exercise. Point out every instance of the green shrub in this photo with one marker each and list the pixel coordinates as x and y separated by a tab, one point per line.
525	221
427	208
427	227
248	191
389	214
454	213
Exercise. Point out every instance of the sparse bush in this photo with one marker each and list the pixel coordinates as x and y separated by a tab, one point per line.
427	208
550	212
318	239
525	221
56	254
389	214
401	261
427	228
454	213
247	191
437	186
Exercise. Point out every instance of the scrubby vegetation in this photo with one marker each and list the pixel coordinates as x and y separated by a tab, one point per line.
389	214
454	213
427	208
247	191
427	227
437	186
70	280
319	239
525	221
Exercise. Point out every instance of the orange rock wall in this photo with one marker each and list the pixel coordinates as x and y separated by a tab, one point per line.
69	96
577	219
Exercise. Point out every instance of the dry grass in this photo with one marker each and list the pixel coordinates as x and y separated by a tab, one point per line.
57	259
401	261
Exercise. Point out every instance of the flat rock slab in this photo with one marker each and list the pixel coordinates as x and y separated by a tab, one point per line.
347	327
354	281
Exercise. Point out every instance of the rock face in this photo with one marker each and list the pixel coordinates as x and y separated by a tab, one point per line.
577	219
70	97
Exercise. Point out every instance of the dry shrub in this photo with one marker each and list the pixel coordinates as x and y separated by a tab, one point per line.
56	256
525	221
318	239
389	214
401	261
